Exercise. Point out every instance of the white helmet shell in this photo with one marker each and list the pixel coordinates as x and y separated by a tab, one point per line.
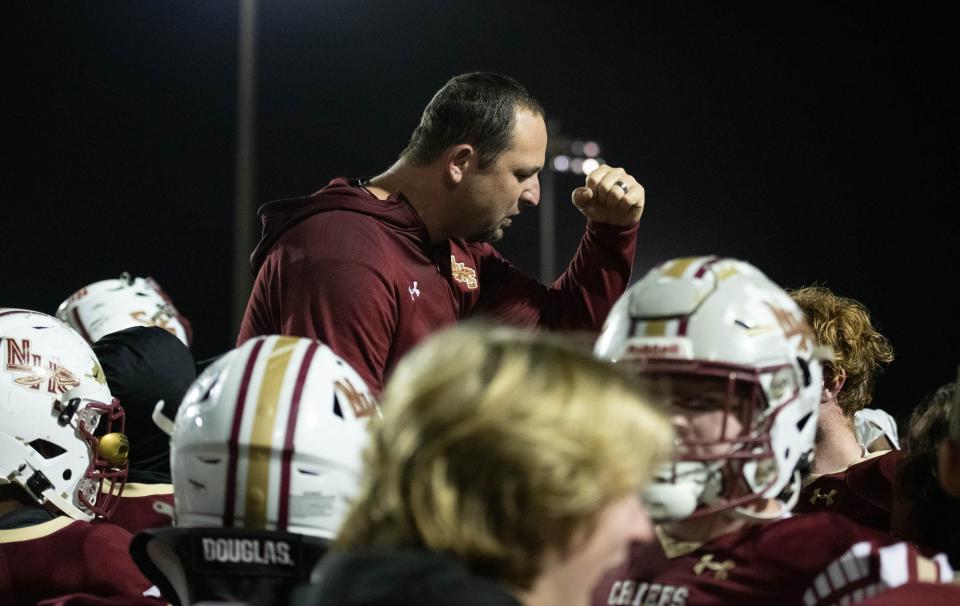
107	306
724	318
270	437
53	395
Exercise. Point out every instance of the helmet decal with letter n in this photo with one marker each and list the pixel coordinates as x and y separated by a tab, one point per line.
270	437
107	306
53	397
716	336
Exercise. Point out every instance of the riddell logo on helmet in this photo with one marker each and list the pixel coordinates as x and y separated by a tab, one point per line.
21	359
654	349
659	347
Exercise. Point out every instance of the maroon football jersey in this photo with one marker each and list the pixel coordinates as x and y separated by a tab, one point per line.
808	560
863	492
64	556
144	506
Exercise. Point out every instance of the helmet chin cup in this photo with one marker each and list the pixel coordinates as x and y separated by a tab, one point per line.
670	502
678	489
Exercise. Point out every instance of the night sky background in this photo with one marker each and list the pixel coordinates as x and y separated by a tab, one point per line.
817	140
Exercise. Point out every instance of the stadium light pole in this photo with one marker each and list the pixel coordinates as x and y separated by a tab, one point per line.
245	164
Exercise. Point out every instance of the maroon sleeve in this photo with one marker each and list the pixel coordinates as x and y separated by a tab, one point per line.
135	513
328	284
80	558
581	297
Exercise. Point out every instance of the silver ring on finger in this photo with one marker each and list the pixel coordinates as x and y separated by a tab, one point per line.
622	186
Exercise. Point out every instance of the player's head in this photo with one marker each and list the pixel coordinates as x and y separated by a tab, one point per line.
477	108
144	365
53	398
859	350
501	448
927	476
734	358
269	437
948	453
107	306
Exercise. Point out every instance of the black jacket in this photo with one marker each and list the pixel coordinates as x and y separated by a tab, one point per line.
400	578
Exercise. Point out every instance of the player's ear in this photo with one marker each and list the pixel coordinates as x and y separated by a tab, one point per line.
832	385
458	160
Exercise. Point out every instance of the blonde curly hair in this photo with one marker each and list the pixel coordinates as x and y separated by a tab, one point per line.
860	350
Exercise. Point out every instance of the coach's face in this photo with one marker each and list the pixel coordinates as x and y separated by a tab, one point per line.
496	193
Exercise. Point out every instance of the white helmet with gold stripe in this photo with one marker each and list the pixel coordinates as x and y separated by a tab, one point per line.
717	337
270	437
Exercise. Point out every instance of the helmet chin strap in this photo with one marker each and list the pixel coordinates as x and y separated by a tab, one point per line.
783	511
678	489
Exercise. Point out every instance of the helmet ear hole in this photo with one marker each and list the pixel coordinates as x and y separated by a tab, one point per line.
67	474
47	449
805	367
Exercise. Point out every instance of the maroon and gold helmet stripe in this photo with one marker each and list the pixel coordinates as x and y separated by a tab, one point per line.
283	515
231	479
261	436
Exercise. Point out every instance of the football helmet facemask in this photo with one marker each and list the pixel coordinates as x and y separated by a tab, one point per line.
53	397
732	352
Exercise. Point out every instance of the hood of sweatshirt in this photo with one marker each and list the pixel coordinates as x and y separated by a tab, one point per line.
340	194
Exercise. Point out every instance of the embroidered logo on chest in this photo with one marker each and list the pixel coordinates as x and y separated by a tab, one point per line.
463	274
719	569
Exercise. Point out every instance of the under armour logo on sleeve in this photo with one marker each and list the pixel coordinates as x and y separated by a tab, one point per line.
719	569
414	291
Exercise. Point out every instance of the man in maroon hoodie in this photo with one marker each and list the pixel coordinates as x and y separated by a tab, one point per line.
371	266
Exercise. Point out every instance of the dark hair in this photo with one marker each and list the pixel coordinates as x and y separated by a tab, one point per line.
478	108
932	509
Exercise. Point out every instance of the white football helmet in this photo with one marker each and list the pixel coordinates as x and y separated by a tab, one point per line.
270	437
53	396
710	317
107	306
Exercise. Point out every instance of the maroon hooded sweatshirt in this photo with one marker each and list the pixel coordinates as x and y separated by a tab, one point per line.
362	275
